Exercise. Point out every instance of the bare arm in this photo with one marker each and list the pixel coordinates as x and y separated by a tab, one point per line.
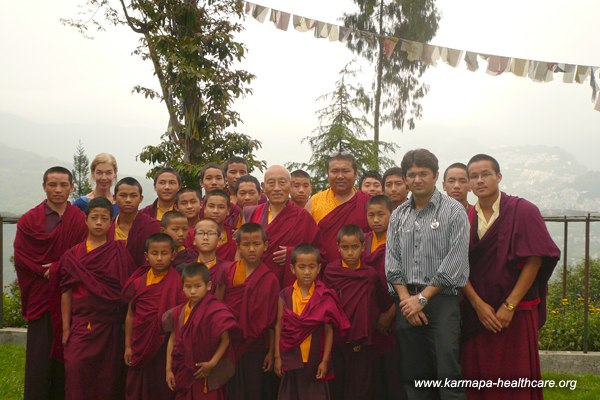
66	301
268	363
322	369
207	367
170	375
276	352
128	331
526	279
485	312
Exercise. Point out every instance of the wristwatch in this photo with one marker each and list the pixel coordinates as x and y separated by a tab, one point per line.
422	299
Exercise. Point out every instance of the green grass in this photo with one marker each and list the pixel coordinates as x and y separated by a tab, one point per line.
12	367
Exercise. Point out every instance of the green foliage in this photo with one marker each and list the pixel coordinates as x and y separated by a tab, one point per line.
194	55
564	327
341	130
12	371
588	387
11	307
81	169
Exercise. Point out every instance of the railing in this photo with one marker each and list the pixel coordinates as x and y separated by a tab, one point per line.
3	220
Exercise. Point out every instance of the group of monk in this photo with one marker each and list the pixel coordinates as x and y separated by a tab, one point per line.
261	290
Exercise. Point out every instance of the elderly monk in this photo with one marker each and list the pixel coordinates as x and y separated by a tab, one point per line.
339	205
287	225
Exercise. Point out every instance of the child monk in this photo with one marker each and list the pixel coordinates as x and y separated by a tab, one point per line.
167	183
386	372
216	207
92	275
307	314
174	224
206	239
251	291
212	177
301	187
357	284
150	292
189	202
200	360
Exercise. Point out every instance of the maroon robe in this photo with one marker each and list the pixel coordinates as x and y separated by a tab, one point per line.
150	210
93	354
496	261
232	218
145	377
142	228
292	227
227	251
197	341
184	257
354	211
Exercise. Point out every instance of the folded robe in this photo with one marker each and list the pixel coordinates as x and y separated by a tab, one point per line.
227	251
143	226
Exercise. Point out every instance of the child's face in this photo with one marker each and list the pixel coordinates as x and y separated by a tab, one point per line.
159	256
300	190
350	249
378	217
195	289
371	186
206	236
166	186
213	179
234	171
178	230
306	269
189	204
98	222
247	194
216	209
128	199
252	247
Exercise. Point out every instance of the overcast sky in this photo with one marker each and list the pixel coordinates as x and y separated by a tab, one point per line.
51	75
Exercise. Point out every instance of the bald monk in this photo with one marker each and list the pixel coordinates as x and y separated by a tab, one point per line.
167	183
287	225
132	227
44	233
92	275
339	205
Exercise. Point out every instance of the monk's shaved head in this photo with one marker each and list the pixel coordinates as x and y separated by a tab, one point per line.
277	169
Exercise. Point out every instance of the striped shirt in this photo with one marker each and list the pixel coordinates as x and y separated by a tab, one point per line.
429	247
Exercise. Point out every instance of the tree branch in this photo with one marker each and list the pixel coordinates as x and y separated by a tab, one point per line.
134	28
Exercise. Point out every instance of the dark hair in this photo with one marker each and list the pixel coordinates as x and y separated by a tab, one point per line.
219	231
210	165
370	174
234	160
458	165
196	269
351	230
188	190
392	171
217	193
299	173
343	157
250	227
244	179
160	237
57	170
170	216
100	202
381	199
164	170
485	157
422	158
305	248
128	181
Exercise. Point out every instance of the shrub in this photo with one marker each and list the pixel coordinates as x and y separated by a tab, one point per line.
13	316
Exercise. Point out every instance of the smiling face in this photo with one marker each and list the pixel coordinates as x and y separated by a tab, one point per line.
456	184
58	188
341	176
159	256
104	175
484	180
277	185
166	186
190	204
351	249
371	186
98	222
306	269
195	289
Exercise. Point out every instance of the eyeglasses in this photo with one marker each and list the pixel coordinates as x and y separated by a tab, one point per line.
413	175
207	233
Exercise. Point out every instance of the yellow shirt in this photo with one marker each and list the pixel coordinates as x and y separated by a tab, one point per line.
88	246
269	215
378	241
322	204
298	305
209	265
152	279
224	239
186	314
160	212
482	224
119	234
240	273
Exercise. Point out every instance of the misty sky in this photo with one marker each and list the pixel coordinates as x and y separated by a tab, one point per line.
51	75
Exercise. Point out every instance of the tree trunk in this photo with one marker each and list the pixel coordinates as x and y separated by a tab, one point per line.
377	108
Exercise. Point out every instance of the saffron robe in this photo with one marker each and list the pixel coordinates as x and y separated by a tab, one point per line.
142	227
196	341
145	377
292	227
496	261
354	211
94	366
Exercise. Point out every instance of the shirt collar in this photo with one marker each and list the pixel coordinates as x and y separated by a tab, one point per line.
495	206
47	209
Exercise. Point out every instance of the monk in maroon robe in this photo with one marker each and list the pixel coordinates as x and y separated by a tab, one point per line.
511	260
167	183
94	366
143	226
148	303
43	234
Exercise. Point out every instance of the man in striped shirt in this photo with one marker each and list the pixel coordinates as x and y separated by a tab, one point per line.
427	263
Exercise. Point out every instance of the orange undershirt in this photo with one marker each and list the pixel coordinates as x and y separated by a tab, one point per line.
322	204
152	279
298	305
378	241
208	265
224	239
160	212
346	265
240	273
269	216
119	234
188	311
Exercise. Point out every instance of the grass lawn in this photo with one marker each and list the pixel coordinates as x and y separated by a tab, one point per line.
12	365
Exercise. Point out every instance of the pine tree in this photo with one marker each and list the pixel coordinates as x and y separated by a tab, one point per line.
81	169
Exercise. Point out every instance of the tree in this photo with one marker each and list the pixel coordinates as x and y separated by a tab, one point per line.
340	131
192	49
397	91
81	169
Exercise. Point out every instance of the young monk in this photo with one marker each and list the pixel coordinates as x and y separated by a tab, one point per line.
247	191
200	359
250	290
92	275
301	188
216	207
371	183
307	314
357	284
212	177
235	167
189	202
386	373
394	186
167	183
175	224
132	227
150	292
43	234
206	240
